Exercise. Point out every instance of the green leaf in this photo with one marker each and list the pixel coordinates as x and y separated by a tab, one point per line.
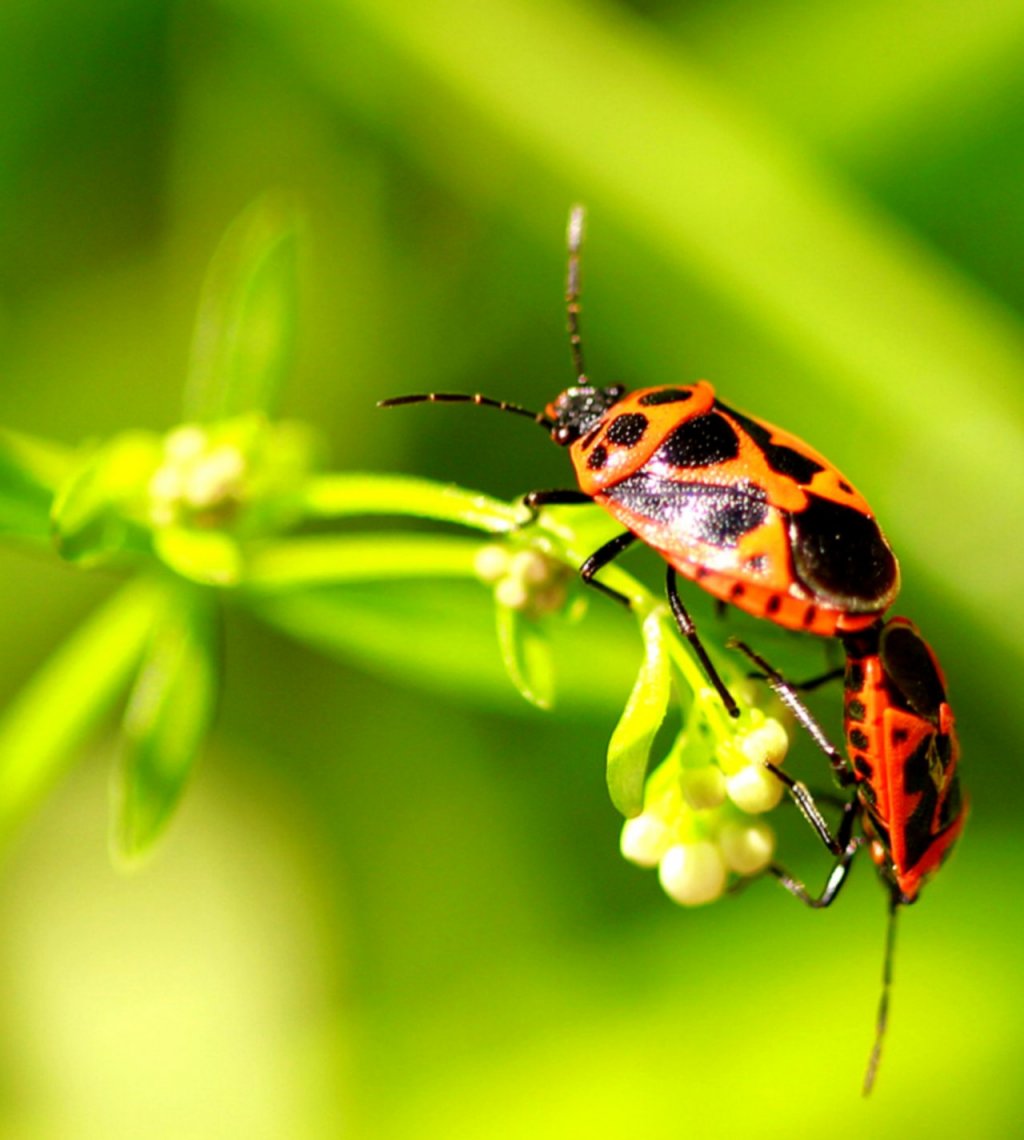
89	515
51	716
526	652
209	557
29	472
167	719
439	636
245	328
630	746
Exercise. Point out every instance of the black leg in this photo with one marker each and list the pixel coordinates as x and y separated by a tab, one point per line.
787	694
816	682
600	558
689	631
812	813
836	878
845	845
555	498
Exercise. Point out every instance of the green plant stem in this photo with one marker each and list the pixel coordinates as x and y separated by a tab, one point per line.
343	496
336	496
295	563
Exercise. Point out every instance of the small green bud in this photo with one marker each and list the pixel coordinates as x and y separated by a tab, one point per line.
703	787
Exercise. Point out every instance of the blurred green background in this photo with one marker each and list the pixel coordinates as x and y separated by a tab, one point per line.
390	911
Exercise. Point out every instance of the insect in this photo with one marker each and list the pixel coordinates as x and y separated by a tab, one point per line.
902	764
742	508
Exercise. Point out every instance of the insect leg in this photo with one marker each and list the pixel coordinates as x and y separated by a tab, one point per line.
848	846
689	631
788	695
600	558
556	498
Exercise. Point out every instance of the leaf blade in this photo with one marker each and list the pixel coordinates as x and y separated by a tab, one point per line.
245	328
81	680
630	746
169	713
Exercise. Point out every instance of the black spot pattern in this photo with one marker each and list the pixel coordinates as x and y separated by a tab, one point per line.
773	605
694	512
854	680
840	555
863	768
780	458
700	442
859	739
664	396
627	429
597	458
899	736
855	710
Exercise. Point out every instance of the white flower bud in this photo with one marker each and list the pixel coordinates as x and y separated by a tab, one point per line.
747	848
185	443
512	593
703	787
491	563
214	477
531	566
693	873
767	744
645	839
754	789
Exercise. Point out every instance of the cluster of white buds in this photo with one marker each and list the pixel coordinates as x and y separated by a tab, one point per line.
527	580
200	480
700	820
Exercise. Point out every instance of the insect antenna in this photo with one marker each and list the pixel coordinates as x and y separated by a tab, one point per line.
467	398
883	1005
574	239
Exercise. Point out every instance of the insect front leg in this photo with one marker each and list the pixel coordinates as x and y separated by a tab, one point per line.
553	498
789	697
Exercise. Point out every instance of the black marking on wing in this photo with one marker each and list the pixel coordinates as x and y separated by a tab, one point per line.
839	554
700	442
693	512
780	458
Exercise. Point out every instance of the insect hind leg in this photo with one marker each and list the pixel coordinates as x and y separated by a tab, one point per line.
689	631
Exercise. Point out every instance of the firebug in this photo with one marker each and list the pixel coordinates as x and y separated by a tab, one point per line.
742	508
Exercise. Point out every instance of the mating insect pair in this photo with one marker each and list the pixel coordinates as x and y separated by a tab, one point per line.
764	522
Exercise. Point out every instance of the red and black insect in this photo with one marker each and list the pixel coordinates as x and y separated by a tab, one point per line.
902	764
746	510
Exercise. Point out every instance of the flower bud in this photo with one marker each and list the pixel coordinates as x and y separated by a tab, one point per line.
693	873
747	848
703	787
645	839
754	789
766	744
491	563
